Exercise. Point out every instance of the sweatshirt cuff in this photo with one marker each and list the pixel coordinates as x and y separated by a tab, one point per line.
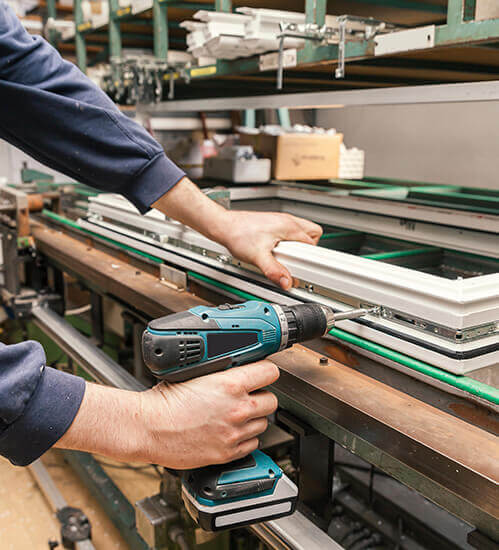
158	176
50	412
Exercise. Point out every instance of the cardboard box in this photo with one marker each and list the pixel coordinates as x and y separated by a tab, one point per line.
298	156
486	9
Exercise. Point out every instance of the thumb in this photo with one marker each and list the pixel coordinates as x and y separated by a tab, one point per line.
274	271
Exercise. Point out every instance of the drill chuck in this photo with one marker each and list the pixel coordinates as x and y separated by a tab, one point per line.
304	322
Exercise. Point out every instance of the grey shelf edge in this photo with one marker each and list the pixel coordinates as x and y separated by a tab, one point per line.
434	93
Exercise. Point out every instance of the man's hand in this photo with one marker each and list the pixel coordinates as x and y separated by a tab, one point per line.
250	236
253	235
209	420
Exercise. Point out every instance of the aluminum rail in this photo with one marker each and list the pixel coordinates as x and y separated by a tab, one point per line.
54	497
93	360
96	363
409	95
288	533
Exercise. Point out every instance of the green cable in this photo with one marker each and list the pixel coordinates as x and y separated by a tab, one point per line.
347	233
223	286
465	383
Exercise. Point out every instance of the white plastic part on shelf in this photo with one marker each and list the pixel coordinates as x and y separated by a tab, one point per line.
65	28
222	23
352	163
233	35
97	13
195	33
263	29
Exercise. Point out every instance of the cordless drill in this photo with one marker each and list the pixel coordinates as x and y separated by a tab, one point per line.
204	340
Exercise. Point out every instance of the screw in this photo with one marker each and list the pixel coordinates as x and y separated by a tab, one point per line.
323	361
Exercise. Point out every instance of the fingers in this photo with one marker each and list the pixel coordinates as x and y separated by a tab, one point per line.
262	404
245	448
254	428
313	230
254	376
273	270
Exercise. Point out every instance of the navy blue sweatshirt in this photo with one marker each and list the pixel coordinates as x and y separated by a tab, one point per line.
53	112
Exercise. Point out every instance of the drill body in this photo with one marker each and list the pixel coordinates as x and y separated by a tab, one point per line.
204	340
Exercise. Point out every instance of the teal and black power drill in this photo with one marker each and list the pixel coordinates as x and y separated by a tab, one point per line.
204	340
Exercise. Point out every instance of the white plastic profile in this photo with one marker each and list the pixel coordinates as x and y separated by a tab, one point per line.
452	303
456	304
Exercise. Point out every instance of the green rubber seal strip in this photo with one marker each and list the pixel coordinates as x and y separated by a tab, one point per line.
469	385
462	382
400	253
223	286
338	234
73	224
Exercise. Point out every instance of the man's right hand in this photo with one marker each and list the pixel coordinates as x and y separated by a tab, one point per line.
208	420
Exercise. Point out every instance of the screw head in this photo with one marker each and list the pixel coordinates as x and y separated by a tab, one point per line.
323	361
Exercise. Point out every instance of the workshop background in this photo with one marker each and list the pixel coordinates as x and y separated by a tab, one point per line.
377	119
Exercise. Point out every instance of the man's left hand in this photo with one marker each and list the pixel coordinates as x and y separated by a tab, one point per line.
251	237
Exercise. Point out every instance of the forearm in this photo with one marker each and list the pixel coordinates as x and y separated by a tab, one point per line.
120	436
189	205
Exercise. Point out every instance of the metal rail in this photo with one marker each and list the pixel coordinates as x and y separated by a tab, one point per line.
408	95
92	360
54	497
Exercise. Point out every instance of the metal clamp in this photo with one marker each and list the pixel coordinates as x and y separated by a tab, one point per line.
326	34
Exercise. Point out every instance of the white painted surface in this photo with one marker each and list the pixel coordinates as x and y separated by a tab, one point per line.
403	41
454	143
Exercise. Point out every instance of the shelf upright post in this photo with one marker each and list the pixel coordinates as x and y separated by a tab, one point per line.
283	117
160	29
114	30
81	48
315	11
454	12
249	118
115	39
52	14
223	5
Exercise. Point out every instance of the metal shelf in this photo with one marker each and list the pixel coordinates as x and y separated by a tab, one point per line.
443	93
449	59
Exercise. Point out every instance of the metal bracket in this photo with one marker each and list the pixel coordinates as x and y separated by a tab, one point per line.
360	28
316	466
173	277
153	516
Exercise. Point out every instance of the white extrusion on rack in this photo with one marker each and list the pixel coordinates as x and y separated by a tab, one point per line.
399	209
456	304
452	303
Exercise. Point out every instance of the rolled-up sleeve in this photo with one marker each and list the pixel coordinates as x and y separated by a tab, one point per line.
53	112
37	403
